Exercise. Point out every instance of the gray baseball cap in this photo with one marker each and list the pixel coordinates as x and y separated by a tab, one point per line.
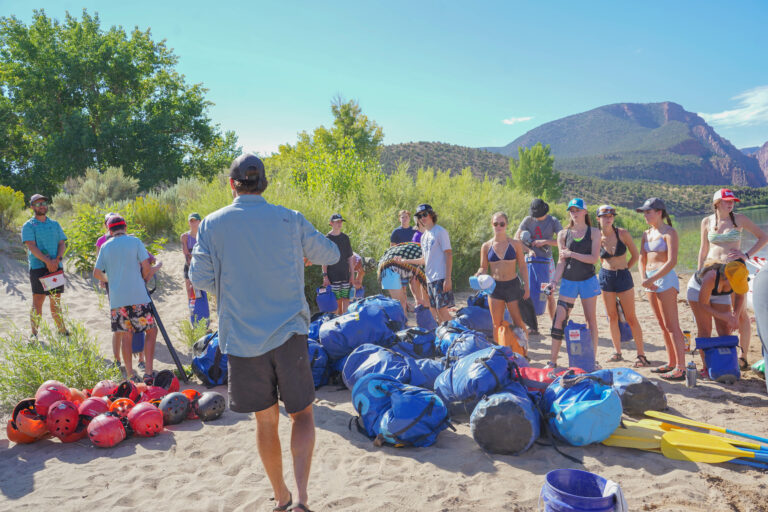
654	203
246	167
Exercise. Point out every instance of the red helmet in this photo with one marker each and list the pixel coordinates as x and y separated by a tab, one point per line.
167	379
94	406
27	421
122	406
45	397
146	420
126	389
106	430
80	432
153	393
62	418
56	384
104	388
17	436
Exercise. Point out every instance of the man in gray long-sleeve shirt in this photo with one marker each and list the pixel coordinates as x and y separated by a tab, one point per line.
250	254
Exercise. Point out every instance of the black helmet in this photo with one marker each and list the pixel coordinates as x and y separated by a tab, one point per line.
175	407
539	208
211	405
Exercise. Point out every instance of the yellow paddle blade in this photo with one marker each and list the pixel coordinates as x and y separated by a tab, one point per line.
632	435
684	421
665	427
674	452
691	441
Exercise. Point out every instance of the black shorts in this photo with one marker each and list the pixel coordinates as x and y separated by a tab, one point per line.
508	291
37	287
616	281
256	383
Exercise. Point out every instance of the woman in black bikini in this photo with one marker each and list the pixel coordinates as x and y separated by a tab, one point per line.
616	281
506	271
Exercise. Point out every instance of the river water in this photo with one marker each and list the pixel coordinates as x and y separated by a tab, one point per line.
692	224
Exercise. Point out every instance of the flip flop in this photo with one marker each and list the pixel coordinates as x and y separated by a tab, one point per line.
675	375
286	507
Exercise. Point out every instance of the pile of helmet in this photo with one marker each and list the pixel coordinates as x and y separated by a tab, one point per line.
110	412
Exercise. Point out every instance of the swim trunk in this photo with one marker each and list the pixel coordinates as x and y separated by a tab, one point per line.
136	318
665	283
438	298
37	287
616	281
508	291
284	373
585	289
692	294
341	289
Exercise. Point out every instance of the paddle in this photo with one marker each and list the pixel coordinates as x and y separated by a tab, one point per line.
707	450
633	435
664	427
684	421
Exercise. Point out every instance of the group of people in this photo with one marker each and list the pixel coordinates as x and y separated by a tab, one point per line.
251	256
716	292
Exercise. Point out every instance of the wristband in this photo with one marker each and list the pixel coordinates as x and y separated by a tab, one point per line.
325	274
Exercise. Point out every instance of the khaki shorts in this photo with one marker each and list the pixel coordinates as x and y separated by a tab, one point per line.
256	383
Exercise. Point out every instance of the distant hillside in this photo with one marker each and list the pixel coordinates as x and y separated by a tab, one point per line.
750	150
445	157
654	141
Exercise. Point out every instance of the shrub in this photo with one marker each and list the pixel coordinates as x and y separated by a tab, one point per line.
155	217
190	333
75	362
11	206
95	188
87	225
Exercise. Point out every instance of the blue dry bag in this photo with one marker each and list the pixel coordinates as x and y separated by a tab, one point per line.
341	335
391	307
210	364
415	342
367	359
538	276
578	340
424	318
582	409
318	360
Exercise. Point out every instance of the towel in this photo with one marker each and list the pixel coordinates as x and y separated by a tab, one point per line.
612	488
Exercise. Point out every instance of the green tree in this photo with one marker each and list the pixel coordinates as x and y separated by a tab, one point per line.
74	96
534	172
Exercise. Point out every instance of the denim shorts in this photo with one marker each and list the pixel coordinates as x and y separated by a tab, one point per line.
665	283
584	289
616	281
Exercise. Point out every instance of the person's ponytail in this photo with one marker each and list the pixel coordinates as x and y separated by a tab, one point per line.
665	216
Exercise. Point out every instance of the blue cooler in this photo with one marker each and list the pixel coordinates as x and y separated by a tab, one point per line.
538	275
578	341
720	358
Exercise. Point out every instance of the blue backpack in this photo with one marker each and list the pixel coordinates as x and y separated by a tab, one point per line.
316	321
582	409
398	414
367	359
392	307
415	342
464	344
318	360
341	335
506	422
210	364
424	318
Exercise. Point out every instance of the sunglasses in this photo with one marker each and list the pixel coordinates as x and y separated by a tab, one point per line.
421	215
41	203
499	224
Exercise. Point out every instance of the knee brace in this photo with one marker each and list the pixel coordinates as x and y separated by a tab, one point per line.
559	333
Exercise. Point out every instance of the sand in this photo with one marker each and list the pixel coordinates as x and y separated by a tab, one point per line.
215	467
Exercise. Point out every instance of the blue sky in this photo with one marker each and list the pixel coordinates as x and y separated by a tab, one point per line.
474	75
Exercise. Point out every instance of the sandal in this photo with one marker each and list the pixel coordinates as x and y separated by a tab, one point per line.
676	375
665	368
148	379
743	364
641	361
300	507
615	358
550	364
287	506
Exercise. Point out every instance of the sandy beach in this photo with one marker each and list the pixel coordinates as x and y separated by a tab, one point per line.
215	467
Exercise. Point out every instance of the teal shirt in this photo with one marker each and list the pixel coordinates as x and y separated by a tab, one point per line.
250	255
46	234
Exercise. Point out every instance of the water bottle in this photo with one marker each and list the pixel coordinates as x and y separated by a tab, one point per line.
687	336
691	374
